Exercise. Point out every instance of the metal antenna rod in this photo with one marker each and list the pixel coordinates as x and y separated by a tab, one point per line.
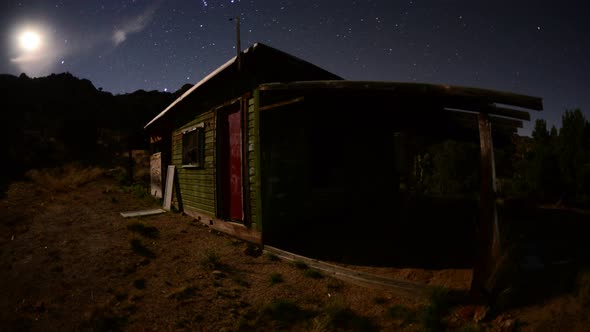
238	43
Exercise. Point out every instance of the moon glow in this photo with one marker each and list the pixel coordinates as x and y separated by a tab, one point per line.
30	41
34	50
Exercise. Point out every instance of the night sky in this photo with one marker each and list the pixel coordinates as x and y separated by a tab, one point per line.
539	48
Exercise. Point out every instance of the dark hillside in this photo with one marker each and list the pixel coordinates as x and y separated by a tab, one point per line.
50	120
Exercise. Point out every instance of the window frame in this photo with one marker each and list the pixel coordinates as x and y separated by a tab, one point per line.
199	145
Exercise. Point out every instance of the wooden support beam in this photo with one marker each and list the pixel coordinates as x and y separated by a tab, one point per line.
495	110
282	103
510	113
471	119
503	122
488	242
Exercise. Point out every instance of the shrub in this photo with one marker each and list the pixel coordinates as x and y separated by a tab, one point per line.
276	278
139	283
339	316
211	260
139	248
139	190
471	327
147	231
271	257
402	313
104	319
314	274
64	178
334	285
432	315
439	299
183	293
282	312
301	265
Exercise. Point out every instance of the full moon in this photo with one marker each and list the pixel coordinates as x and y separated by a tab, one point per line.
30	40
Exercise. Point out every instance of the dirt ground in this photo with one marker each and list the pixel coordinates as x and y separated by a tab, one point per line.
69	261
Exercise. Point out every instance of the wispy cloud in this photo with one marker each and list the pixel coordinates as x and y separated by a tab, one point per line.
135	24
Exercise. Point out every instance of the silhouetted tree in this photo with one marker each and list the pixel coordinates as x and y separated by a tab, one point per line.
555	166
574	154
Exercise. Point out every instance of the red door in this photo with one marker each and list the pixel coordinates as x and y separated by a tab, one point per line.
231	164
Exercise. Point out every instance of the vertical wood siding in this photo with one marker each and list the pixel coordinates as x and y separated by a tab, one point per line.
250	139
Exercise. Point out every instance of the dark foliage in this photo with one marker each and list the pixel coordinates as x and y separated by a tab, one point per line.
554	166
60	118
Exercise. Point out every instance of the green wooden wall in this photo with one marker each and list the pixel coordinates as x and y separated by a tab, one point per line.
197	185
251	140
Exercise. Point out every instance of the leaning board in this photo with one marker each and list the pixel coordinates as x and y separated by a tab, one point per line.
169	188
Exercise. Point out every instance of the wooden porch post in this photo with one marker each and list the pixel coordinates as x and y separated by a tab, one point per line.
488	242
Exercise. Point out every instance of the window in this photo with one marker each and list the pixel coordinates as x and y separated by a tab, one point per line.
193	146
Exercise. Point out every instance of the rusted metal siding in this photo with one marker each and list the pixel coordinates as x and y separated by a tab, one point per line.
197	185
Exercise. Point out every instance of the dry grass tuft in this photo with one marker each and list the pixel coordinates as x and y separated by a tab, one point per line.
210	260
64	178
183	293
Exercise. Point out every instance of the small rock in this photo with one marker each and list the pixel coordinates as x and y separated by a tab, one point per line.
218	274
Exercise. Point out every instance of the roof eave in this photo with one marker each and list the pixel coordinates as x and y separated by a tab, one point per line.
191	90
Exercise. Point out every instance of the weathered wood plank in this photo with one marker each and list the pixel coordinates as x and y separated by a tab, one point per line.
143	213
488	245
169	187
401	287
231	228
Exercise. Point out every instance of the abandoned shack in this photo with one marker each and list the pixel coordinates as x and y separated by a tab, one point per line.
277	151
